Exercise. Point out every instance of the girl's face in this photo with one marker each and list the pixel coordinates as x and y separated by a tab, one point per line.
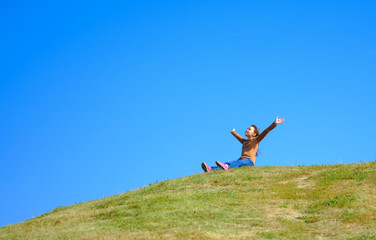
250	132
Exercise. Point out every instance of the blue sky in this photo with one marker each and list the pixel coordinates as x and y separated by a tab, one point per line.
100	98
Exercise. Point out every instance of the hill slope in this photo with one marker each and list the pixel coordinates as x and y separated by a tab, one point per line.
314	202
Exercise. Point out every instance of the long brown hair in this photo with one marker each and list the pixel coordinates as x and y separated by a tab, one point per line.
256	130
257	133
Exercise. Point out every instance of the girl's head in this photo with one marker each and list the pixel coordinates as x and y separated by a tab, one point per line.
252	131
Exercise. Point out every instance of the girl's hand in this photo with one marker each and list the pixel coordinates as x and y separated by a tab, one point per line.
279	121
233	130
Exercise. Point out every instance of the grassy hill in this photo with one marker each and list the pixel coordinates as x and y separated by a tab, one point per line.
305	202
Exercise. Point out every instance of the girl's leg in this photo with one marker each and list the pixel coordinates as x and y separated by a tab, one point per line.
237	163
240	163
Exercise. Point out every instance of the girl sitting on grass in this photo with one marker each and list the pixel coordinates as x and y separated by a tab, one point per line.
249	149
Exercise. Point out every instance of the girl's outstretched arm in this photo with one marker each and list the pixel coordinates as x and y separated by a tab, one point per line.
235	134
266	131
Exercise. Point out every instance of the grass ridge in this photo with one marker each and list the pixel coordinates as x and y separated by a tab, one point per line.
303	202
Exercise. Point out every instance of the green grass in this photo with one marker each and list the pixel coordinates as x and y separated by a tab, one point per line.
314	202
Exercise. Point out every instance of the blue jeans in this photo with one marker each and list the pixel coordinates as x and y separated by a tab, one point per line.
238	163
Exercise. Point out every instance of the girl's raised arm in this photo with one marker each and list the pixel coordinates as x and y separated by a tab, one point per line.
266	131
235	134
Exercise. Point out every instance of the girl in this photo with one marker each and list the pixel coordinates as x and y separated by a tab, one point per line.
249	150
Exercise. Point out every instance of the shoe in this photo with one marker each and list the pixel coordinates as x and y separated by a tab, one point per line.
205	167
224	166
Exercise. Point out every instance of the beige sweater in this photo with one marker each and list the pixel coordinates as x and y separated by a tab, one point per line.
250	146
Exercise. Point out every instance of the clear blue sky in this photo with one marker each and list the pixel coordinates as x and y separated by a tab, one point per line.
101	97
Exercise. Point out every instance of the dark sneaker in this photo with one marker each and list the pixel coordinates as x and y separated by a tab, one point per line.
205	167
224	166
